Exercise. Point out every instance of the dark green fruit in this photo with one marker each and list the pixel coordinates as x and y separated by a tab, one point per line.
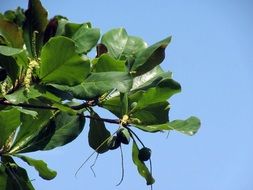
3	74
123	136
113	143
144	154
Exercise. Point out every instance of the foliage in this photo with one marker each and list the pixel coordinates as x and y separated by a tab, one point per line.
50	87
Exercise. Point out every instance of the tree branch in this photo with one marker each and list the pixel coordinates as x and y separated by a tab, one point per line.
86	104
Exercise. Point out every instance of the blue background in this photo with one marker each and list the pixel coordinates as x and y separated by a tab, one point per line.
211	56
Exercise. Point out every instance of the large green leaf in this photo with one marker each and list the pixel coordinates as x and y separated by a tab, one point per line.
64	65
133	46
120	45
115	40
150	57
9	121
106	63
98	135
99	83
11	34
68	127
60	130
36	20
189	126
86	38
17	178
141	167
40	166
29	129
10	66
9	51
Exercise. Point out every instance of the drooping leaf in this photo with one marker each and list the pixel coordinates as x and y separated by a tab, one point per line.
11	33
64	66
98	134
150	57
86	38
9	121
17	178
44	172
115	40
141	167
9	51
36	20
99	83
106	63
189	126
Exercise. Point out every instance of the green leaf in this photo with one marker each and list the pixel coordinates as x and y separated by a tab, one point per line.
154	128
120	45
150	57
115	40
64	65
189	126
9	121
152	114
60	130
99	83
67	128
10	66
44	172
141	167
11	34
17	178
98	134
133	46
29	129
36	20
71	28
162	92
106	63
150	79
9	51
86	38
21	95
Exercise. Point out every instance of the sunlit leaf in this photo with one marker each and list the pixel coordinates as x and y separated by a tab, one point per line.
86	38
189	126
64	66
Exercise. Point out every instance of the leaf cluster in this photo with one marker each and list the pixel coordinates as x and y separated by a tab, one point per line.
50	85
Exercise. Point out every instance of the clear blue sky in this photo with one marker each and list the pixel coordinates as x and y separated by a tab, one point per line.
211	55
